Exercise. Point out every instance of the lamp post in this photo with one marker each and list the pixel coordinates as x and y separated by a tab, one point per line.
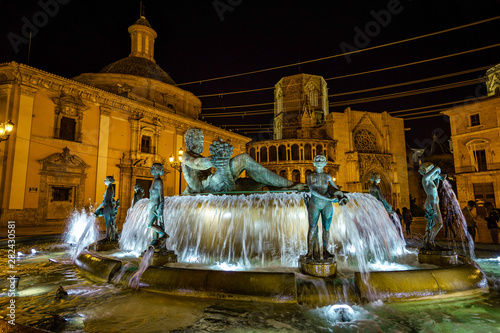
177	165
5	130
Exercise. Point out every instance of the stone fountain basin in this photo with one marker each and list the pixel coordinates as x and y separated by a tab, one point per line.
465	278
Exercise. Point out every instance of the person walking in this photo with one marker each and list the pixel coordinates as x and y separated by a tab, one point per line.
469	218
408	219
492	217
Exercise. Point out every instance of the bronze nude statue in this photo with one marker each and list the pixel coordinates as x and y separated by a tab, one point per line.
430	181
155	208
377	193
138	195
324	191
108	208
200	179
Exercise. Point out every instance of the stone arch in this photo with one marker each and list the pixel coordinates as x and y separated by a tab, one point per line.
282	153
263	154
251	152
307	152
273	154
296	176
295	152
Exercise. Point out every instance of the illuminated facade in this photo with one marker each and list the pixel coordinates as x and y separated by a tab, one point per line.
355	143
71	133
475	129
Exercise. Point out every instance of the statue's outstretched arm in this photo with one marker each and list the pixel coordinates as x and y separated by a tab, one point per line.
198	163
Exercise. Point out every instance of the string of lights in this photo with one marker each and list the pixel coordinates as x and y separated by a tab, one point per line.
343	54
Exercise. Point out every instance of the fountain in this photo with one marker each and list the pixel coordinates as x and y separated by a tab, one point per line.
246	247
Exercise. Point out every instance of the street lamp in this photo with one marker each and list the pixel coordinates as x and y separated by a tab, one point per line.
177	165
5	130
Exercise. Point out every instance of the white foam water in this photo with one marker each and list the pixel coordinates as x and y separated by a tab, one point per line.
264	229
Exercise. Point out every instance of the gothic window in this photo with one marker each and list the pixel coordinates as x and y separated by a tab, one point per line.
272	154
146	144
67	129
365	141
263	154
313	95
278	129
474	120
279	103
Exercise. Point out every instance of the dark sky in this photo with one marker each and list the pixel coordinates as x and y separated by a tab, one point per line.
196	42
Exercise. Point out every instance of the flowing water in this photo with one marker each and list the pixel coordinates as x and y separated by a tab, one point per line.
265	230
450	202
99	307
81	231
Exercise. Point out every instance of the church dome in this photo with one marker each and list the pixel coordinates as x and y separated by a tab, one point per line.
138	66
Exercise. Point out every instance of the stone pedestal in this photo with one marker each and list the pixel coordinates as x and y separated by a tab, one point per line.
438	257
162	257
104	245
320	268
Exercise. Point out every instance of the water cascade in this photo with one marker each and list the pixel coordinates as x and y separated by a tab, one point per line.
81	231
450	202
264	229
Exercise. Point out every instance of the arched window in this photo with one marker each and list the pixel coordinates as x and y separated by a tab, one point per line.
283	173
295	152
263	154
365	141
251	152
307	173
272	154
296	176
278	129
313	95
319	150
307	152
281	153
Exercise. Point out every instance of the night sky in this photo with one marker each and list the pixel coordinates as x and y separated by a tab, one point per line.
199	40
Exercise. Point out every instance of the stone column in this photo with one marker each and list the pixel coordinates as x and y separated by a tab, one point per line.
22	133
134	137
102	151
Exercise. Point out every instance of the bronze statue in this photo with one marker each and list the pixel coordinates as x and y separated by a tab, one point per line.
377	193
200	179
138	195
108	208
430	181
155	208
323	193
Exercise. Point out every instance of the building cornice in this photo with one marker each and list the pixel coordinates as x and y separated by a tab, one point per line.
40	79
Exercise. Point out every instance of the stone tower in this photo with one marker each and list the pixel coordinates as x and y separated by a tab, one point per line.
301	106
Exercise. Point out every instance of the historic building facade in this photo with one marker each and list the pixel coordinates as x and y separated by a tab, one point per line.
71	133
475	133
355	143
